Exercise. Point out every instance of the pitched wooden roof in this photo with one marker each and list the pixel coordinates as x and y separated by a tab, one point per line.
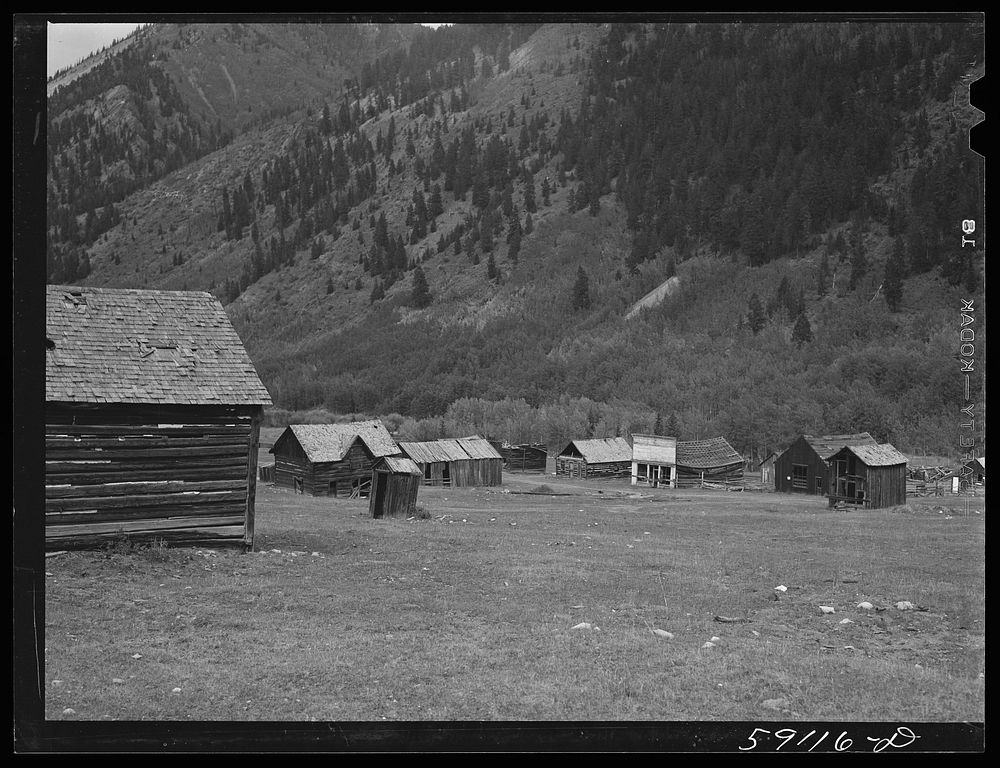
827	445
115	345
399	465
883	455
706	454
331	442
479	448
434	451
602	450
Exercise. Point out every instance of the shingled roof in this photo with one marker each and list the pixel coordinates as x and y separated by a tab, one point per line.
479	448
705	454
115	345
602	450
827	445
331	442
435	451
883	455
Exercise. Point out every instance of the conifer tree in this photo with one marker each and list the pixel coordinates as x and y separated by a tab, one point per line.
895	271
755	317
420	294
581	290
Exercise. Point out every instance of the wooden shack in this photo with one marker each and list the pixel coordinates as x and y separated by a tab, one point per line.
872	476
803	466
487	463
456	463
596	457
707	463
654	460
152	419
974	472
394	485
526	457
331	459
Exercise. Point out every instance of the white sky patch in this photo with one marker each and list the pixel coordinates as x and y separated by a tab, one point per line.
68	44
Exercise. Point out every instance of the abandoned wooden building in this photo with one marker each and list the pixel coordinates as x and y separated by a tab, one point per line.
394	485
331	459
974	472
152	419
526	457
803	466
456	463
603	457
872	476
703	463
654	460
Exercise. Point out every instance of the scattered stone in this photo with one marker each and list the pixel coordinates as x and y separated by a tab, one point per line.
905	605
69	711
846	621
730	619
136	655
709	644
827	609
852	648
57	683
583	625
117	680
775	703
755	633
781	588
48	573
865	606
715	639
176	690
664	634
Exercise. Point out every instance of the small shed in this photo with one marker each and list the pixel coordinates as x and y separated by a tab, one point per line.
596	457
487	463
974	472
873	476
152	419
331	459
442	462
526	457
395	481
708	462
766	468
654	460
803	466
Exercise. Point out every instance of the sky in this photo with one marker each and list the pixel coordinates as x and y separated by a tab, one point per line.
67	44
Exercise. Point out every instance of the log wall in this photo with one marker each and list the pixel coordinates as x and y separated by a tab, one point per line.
185	474
354	470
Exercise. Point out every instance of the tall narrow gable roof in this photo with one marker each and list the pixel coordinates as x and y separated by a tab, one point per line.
827	445
331	442
603	450
705	454
114	345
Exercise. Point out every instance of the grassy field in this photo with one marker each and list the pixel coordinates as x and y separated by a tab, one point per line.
474	613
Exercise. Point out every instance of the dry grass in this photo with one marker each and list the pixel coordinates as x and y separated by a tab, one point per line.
469	613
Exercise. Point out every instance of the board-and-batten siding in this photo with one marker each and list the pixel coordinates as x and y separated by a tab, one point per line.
801	453
184	474
292	463
886	486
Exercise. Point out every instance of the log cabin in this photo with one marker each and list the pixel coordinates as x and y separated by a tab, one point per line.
152	420
331	459
871	476
803	466
604	457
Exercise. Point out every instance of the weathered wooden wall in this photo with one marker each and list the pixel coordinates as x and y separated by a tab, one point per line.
692	477
184	474
353	470
524	458
393	494
886	486
800	452
572	466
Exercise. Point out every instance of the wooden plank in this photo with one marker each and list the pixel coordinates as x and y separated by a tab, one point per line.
248	518
155	486
143	500
223	509
109	465
133	442
143	430
162	473
155	524
214	535
138	454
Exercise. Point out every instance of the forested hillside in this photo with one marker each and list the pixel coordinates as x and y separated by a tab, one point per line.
448	227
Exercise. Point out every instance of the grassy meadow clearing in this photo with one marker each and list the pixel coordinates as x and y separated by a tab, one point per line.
472	613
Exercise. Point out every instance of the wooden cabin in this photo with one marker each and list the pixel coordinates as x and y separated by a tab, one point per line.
654	460
872	476
456	463
152	419
803	467
331	459
704	463
604	457
974	472
394	485
487	463
527	457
